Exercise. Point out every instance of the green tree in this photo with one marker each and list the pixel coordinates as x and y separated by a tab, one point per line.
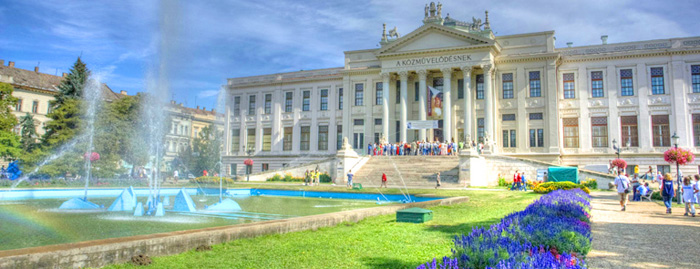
28	133
64	125
10	146
7	101
206	151
72	86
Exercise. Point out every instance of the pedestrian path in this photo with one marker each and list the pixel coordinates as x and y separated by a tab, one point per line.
641	237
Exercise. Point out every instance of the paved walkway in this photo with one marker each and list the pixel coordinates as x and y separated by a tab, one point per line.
643	236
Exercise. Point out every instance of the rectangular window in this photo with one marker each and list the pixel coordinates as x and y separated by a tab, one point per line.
358	140
379	93
533	138
35	107
324	99
480	129
288	138
536	116
540	138
460	89
323	137
599	132
416	93
340	98
306	101
233	168
695	77
696	129
570	132
479	86
236	106
339	137
536	138
626	83
265	167
305	138
597	84
535	84
629	131
18	106
664	169
268	103
267	139
358	122
509	138
657	80
251	105
569	88
288	101
398	92
508	117
507	85
378	121
250	141
235	140
376	138
359	94
661	131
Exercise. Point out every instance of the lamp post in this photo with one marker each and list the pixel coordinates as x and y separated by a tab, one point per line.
675	138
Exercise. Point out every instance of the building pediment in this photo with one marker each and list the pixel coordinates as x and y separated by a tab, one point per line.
433	37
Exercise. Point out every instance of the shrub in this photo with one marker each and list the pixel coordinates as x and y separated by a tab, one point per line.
211	180
324	177
552	232
548	187
590	183
502	182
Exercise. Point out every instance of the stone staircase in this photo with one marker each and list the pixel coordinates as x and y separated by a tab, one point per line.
417	171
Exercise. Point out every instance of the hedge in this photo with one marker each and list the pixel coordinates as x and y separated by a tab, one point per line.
548	187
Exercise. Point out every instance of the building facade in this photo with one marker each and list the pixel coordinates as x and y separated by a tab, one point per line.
518	94
185	125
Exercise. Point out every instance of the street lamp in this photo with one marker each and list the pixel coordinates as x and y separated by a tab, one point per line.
249	163
616	148
675	138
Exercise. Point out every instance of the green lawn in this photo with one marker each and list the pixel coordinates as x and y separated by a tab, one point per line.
376	242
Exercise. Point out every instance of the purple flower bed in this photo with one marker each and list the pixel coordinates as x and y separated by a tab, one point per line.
552	232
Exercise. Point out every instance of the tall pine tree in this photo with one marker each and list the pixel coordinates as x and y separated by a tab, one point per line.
65	117
28	133
9	141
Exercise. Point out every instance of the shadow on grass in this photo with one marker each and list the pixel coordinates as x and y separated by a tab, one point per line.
462	228
384	262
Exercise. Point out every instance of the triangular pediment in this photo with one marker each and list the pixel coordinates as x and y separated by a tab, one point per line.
431	36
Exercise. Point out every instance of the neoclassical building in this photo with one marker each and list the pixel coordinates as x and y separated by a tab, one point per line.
518	94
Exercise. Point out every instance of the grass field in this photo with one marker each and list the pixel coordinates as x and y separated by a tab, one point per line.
376	242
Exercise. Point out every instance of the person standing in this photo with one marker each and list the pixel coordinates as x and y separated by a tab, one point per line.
205	173
622	183
667	191
635	185
523	181
176	175
350	175
307	178
689	196
383	181
437	180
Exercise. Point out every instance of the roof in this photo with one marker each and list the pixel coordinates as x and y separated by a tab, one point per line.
36	81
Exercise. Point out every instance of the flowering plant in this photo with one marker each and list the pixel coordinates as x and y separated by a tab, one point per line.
94	156
248	162
619	163
679	155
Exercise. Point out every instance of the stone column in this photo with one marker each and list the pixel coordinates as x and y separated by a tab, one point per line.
347	105
227	127
467	73
421	100
447	103
488	118
385	105
404	113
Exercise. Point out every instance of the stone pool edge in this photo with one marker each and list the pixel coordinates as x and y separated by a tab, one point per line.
98	253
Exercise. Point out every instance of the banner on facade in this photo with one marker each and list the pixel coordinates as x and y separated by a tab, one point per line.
421	124
434	102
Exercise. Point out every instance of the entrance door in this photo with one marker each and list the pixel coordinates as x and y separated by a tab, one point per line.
437	133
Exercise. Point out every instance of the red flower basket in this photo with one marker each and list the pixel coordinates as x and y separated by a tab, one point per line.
94	156
679	155
248	162
619	163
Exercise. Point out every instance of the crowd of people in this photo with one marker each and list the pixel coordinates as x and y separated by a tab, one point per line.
425	148
312	177
519	181
639	187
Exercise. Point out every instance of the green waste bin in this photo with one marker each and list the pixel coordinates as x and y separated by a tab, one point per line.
414	215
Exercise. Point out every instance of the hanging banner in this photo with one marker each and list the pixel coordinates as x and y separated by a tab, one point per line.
421	124
434	102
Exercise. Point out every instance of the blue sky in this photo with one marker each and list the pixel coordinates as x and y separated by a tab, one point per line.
214	40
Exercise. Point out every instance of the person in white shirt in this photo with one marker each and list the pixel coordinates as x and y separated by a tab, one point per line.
622	183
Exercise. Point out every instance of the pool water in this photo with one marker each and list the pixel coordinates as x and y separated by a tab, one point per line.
38	222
